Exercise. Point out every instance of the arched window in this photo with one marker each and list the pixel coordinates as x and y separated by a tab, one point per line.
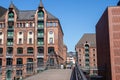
51	50
40	50
86	47
19	61
40	15
9	61
19	50
10	16
30	50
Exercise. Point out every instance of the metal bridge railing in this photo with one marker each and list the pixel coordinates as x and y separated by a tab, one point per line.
77	73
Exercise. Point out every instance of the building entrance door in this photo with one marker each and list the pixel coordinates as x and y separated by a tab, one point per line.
9	75
51	61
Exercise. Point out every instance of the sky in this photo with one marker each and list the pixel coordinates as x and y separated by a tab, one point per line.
76	16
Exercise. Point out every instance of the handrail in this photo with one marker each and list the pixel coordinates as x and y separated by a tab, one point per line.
79	73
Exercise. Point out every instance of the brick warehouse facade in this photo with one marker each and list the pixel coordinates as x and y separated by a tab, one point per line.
87	53
108	43
29	39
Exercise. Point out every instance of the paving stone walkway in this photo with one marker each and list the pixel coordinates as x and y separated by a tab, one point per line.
53	74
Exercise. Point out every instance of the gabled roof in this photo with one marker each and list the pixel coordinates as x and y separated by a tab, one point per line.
50	16
2	12
89	38
24	14
14	7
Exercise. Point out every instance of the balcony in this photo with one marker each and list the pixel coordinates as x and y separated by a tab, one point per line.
10	35
40	26
10	28
40	43
40	35
10	44
11	19
40	18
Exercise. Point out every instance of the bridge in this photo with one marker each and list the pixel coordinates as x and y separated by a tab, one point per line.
52	74
60	74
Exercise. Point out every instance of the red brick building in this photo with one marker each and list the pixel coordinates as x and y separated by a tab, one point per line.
87	53
108	43
29	39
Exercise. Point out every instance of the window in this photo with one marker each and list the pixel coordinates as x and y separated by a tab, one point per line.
86	55
10	15
19	61
9	62
30	50
30	33
51	40
51	32
40	15
93	54
0	33
19	72
20	41
20	24
9	50
0	41
20	33
17	24
19	50
80	60
94	60
87	65
51	50
10	42
30	24
10	34
79	50
40	41
1	50
40	24
87	60
30	40
40	50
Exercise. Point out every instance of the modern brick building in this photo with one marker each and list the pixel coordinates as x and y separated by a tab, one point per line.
87	53
108	43
29	39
